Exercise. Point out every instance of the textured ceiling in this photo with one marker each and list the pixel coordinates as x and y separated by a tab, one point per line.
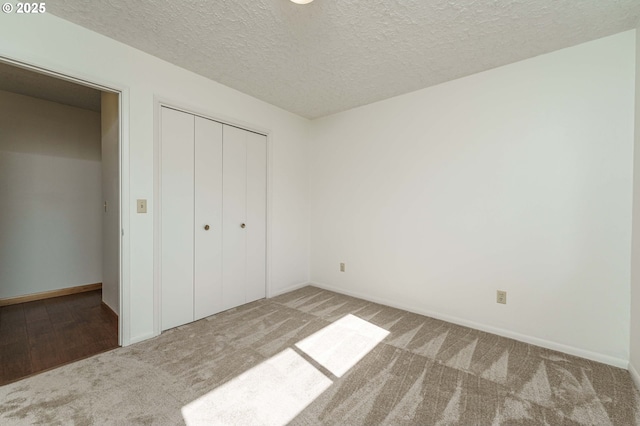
332	55
36	85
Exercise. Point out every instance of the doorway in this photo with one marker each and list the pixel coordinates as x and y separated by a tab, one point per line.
60	252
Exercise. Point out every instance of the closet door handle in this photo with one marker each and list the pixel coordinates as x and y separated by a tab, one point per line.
206	227
243	226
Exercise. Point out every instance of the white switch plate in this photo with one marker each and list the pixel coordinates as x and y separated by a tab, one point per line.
342	267
142	206
501	297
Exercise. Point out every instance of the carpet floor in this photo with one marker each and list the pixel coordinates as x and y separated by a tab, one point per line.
314	357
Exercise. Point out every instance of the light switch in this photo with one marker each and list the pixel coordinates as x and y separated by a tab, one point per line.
142	206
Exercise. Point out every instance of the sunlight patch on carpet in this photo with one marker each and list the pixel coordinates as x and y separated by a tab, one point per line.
340	345
271	393
277	390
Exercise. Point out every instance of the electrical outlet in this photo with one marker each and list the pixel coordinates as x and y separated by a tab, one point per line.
501	297
342	267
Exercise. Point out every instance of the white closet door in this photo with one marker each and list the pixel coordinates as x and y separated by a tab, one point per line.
234	182
177	205
256	216
208	214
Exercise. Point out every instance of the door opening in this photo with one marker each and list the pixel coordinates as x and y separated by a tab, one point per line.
60	254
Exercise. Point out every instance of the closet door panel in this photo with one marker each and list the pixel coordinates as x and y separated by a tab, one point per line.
176	204
208	212
256	216
234	181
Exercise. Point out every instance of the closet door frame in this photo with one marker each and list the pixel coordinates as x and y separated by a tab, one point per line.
159	103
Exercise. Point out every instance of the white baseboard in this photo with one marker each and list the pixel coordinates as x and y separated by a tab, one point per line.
288	289
594	356
278	292
634	375
142	338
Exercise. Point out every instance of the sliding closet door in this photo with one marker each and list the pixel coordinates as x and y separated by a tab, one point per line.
177	206
234	206
208	218
256	216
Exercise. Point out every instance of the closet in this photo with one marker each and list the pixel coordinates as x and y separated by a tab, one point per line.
212	217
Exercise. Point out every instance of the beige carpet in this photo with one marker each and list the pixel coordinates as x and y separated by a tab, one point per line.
315	357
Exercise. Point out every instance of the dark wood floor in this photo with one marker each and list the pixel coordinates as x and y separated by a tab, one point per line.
37	336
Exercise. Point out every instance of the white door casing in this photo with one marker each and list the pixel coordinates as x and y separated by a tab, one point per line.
110	126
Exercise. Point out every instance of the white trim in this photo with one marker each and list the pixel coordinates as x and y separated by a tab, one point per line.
142	338
159	102
289	289
125	239
594	356
46	67
268	212
635	376
157	219
61	75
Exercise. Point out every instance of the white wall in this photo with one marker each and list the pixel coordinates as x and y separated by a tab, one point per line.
50	220
110	131
517	179
634	362
53	43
